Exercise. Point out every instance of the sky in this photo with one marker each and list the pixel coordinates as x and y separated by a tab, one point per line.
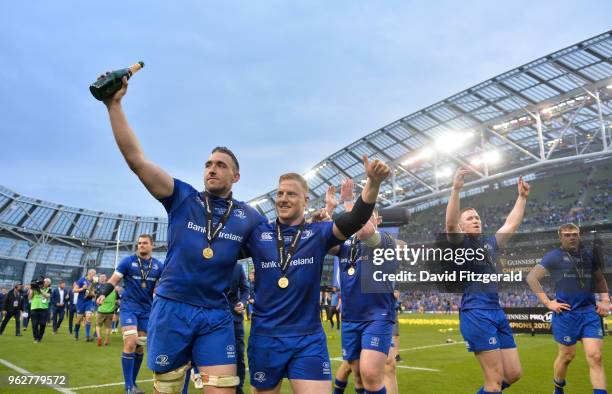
284	84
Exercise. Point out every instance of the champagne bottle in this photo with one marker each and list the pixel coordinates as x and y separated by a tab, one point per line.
106	86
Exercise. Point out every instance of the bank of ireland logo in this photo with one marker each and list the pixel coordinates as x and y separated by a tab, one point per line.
161	360
492	341
567	338
343	352
600	333
326	368
375	341
260	377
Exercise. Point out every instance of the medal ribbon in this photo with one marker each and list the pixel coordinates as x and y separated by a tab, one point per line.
354	249
142	272
286	254
579	270
210	233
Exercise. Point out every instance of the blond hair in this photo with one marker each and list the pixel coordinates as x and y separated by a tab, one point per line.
292	176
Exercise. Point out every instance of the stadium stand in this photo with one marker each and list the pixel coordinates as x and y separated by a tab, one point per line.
548	120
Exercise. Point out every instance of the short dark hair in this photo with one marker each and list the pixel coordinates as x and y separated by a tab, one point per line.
146	236
467	209
227	151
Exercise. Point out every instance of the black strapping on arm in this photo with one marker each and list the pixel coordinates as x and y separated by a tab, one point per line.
350	222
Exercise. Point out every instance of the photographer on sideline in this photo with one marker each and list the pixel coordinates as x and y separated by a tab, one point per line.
39	295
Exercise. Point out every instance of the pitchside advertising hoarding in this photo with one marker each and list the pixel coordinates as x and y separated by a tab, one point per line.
537	320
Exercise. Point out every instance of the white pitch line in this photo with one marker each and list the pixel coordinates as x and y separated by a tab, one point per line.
26	372
107	385
339	359
430	346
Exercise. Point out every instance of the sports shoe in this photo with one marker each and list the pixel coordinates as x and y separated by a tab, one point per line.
138	390
99	341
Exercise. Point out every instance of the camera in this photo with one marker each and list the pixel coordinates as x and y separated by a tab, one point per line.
37	283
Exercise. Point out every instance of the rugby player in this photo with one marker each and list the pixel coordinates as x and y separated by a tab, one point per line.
84	304
368	315
140	273
205	233
577	273
483	324
287	339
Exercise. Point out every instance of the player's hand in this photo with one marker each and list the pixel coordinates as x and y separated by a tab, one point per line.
116	99
603	308
558	307
347	193
100	300
239	308
376	171
321	216
523	187
330	197
459	178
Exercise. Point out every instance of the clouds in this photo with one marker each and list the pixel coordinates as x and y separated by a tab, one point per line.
283	84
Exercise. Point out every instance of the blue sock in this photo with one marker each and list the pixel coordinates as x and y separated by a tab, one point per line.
360	390
77	328
381	391
600	391
87	329
483	391
559	387
127	364
339	386
137	363
187	378
505	385
113	325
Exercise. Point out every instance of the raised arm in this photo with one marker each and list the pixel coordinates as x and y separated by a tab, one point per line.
452	209
514	219
349	223
156	180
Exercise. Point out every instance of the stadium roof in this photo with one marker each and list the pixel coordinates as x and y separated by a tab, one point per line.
553	109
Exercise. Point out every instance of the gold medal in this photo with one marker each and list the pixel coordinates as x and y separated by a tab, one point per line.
208	253
283	282
351	271
143	284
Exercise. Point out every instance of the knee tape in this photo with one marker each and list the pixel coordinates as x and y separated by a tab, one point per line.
170	382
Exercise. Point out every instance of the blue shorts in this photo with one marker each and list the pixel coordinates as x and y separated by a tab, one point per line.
179	333
84	307
358	335
131	318
569	327
301	357
486	329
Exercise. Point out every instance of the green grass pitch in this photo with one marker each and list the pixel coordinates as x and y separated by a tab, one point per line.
430	365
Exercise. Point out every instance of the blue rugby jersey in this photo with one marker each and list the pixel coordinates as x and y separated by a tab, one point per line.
80	283
567	270
358	305
134	297
294	310
478	295
187	276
